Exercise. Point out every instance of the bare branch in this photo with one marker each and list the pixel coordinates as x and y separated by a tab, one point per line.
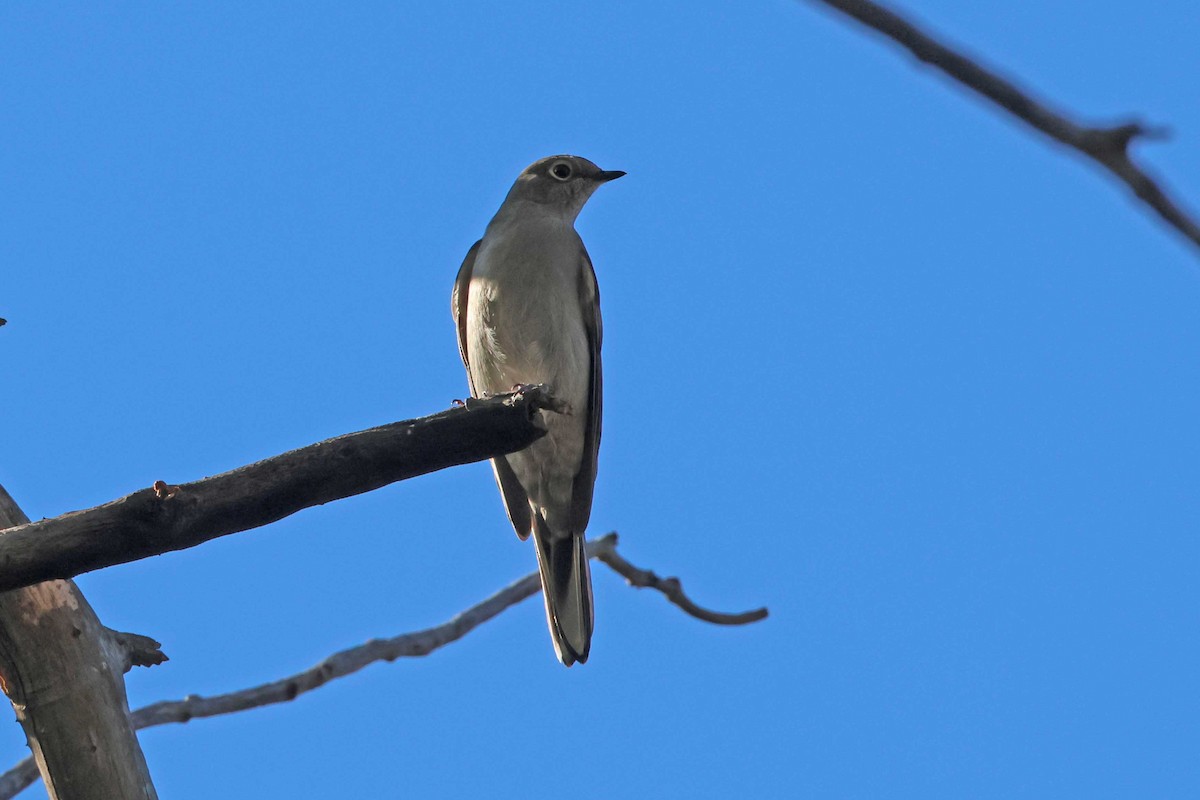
672	588
164	518
1107	146
17	779
418	643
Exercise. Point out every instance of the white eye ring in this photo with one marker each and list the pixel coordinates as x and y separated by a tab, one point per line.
561	171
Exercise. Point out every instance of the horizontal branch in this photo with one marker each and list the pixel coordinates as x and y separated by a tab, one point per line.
1106	145
347	662
163	518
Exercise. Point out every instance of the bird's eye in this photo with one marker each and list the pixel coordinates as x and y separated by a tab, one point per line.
561	171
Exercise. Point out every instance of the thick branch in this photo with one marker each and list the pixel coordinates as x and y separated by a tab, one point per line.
165	518
346	662
1108	146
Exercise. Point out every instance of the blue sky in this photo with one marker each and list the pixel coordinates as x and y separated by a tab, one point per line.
876	357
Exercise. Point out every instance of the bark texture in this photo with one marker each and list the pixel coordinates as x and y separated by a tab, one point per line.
63	672
164	517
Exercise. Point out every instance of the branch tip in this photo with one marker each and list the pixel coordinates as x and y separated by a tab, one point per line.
671	588
1107	146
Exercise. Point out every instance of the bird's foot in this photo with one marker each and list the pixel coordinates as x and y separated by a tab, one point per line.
544	396
470	402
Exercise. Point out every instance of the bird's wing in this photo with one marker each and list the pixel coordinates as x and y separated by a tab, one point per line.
516	501
458	306
585	479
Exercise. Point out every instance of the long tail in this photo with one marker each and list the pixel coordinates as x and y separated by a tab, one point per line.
567	587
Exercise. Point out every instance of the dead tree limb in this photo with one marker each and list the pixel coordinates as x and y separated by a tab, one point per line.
1108	145
164	518
673	590
63	672
417	643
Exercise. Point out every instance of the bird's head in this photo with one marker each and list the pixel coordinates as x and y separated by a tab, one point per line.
565	182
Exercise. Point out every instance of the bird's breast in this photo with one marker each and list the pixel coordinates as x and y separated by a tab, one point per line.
524	323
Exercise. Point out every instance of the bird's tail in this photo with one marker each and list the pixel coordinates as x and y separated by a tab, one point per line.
567	587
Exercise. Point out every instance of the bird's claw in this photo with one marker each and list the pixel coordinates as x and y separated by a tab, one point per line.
545	396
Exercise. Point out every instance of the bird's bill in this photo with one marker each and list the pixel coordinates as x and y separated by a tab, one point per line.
606	175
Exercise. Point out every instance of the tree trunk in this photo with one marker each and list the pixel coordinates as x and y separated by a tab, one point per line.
65	677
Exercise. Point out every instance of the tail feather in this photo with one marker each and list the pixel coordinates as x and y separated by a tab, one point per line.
567	589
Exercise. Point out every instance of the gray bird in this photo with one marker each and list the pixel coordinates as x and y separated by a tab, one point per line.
528	311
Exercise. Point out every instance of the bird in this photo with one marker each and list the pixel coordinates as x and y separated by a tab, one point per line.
527	309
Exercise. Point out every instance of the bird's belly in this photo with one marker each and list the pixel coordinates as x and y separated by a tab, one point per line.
519	333
527	335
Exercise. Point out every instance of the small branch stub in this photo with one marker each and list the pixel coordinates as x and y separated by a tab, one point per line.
164	490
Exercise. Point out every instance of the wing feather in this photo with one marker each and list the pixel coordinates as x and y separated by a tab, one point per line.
516	501
458	306
585	479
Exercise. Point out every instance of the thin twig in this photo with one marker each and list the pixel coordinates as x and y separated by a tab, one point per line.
1106	145
671	588
417	643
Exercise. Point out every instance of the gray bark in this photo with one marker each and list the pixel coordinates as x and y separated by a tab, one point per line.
63	672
